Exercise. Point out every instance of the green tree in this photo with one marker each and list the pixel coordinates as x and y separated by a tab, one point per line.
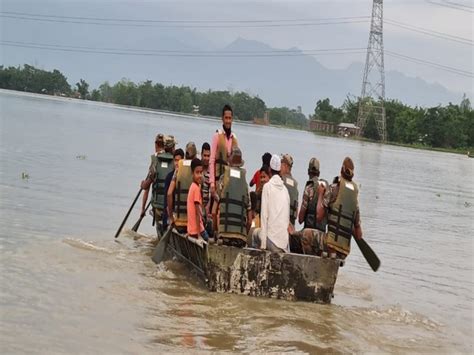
83	89
324	111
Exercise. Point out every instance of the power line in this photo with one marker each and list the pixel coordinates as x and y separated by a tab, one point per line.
225	54
254	24
457	4
225	23
178	21
168	53
272	51
431	64
429	32
452	5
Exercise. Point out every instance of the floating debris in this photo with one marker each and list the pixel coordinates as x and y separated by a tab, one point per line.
438	194
25	176
467	204
81	157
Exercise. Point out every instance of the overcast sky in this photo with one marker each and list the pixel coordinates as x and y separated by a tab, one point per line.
451	17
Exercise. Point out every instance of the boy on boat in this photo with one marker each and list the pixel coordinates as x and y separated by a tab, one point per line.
194	203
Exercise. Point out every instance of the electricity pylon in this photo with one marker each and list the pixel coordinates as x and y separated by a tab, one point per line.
372	96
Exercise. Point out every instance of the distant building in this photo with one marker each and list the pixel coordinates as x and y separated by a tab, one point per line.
321	126
265	121
347	129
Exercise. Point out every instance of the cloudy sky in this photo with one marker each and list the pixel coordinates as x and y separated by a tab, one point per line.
449	23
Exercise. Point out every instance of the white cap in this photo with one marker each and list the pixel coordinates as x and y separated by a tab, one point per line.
275	162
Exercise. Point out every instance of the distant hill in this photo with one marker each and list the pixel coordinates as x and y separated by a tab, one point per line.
279	81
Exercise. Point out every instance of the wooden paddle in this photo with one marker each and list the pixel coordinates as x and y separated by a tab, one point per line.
137	225
128	213
368	254
160	250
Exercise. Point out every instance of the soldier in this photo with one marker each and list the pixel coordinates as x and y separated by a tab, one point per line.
161	164
311	239
234	203
291	184
340	205
179	188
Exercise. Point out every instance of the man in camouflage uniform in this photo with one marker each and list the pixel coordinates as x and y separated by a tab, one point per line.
145	184
164	148
310	240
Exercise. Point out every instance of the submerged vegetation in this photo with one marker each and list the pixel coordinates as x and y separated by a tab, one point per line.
444	127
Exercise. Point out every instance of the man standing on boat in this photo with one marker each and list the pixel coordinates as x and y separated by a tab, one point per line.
161	164
310	240
274	214
234	202
221	146
179	188
340	204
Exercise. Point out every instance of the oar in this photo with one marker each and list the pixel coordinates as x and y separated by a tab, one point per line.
160	250
368	254
128	213
137	225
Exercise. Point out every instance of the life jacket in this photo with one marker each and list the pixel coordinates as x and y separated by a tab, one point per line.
341	216
310	220
232	208
163	164
184	179
221	152
292	187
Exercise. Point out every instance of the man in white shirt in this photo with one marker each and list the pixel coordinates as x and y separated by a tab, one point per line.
274	214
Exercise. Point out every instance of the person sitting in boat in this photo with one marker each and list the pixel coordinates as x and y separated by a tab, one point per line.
339	203
256	177
256	196
310	240
234	204
177	156
291	185
275	213
179	188
161	165
195	222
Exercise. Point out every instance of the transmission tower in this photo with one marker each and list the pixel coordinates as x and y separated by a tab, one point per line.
372	96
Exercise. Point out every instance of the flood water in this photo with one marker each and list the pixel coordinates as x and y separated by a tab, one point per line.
66	286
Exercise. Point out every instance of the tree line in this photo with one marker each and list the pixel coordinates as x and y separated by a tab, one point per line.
149	95
450	126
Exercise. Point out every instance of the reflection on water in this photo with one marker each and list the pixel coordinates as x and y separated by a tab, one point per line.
70	287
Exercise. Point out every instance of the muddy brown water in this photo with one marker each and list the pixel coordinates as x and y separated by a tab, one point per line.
67	287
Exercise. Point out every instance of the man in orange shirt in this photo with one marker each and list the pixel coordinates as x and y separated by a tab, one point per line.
194	203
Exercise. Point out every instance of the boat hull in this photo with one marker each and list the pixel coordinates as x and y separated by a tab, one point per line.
256	272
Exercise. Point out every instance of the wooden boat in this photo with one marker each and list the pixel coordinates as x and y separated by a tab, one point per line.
256	272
